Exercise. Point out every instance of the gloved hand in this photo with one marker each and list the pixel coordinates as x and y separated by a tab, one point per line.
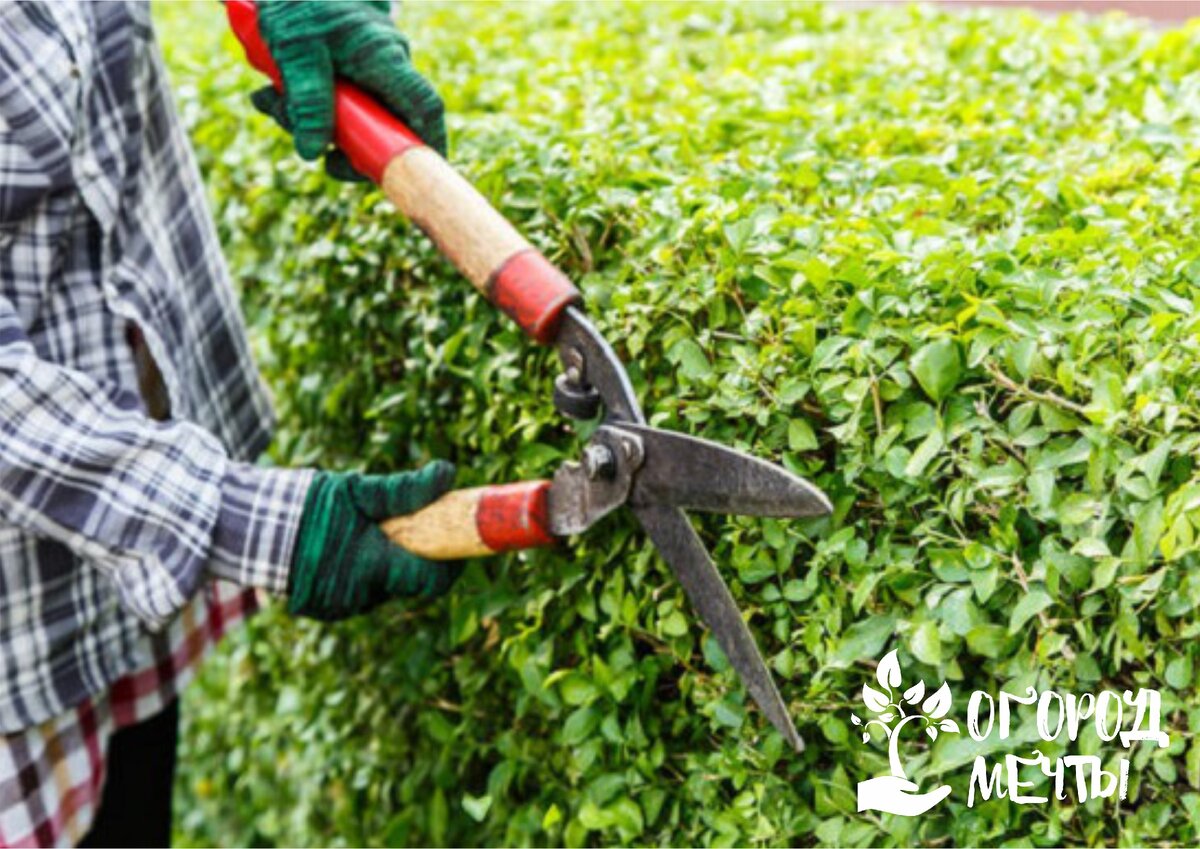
343	563
314	41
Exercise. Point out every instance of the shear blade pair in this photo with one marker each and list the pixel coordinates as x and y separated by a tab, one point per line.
658	474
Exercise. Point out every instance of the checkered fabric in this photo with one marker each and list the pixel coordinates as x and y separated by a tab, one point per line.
52	776
114	528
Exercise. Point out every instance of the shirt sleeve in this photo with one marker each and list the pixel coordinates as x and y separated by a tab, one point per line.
158	506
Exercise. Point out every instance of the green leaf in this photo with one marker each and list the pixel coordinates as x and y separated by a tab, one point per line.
937	367
691	359
1076	509
729	714
923	456
593	817
987	640
1086	668
1178	674
801	436
1108	396
675	624
863	640
958	612
925	644
1030	605
627	817
477	808
577	690
713	654
580	724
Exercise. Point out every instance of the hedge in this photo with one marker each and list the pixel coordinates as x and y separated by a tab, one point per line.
942	262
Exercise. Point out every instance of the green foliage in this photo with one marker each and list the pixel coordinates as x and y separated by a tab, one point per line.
943	263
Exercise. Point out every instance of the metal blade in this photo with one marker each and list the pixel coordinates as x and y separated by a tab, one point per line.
678	544
696	474
580	344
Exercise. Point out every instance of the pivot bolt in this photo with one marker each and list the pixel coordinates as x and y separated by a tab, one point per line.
599	462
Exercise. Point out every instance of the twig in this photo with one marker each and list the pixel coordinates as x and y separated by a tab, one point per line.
443	704
877	402
585	250
1023	580
730	337
1025	391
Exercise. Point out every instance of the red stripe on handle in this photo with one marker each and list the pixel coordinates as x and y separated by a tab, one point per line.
243	20
533	293
514	516
368	134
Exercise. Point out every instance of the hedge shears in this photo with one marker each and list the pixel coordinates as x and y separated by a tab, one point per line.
657	474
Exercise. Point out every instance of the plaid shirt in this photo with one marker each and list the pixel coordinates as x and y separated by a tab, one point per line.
113	526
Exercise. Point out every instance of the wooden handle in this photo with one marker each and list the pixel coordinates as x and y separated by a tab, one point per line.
476	522
480	241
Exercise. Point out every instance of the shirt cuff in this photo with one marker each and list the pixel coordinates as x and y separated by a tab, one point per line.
257	525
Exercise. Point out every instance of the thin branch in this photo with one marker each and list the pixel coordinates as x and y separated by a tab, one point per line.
1023	580
730	337
585	250
875	399
1045	397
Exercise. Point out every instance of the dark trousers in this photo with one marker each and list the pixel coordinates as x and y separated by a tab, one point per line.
135	810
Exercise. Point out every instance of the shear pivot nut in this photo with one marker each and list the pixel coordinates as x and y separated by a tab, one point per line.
573	399
599	462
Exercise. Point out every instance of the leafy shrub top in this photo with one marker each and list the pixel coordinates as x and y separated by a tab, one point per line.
944	263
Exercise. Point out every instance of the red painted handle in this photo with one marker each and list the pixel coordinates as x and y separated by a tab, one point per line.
466	229
368	134
514	516
477	522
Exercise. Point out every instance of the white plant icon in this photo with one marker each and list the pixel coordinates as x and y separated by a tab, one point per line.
888	705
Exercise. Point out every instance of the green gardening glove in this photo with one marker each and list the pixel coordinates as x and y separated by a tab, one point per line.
343	563
313	42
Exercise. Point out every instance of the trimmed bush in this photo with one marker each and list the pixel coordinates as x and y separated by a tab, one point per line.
944	263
